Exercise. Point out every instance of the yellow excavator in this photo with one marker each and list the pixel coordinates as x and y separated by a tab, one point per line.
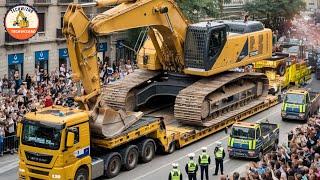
21	20
191	62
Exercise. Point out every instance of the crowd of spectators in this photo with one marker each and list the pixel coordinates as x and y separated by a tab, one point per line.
297	160
118	70
42	89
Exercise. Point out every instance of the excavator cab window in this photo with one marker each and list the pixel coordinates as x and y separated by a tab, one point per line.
204	44
217	38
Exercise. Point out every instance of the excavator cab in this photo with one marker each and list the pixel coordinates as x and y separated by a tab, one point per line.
204	44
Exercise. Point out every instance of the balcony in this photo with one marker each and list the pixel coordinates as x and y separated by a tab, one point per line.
12	41
84	1
42	2
14	2
60	35
65	2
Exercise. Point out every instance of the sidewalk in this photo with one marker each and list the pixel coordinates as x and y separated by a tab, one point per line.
8	162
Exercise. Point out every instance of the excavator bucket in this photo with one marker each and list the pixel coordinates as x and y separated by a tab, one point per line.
110	123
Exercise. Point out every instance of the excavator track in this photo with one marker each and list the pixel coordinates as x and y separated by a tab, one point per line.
212	100
120	95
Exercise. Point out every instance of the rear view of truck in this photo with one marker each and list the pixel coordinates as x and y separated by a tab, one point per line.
252	140
300	104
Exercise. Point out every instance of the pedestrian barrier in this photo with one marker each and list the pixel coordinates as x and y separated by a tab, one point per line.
9	144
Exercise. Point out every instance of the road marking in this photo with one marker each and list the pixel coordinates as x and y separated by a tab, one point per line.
8	161
8	167
165	165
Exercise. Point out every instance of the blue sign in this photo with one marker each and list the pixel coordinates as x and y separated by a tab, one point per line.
41	55
15	58
120	44
63	53
101	47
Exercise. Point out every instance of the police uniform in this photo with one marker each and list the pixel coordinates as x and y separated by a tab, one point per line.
219	155
175	173
191	168
204	161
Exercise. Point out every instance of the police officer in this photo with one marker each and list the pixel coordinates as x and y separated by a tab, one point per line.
219	155
191	167
204	161
175	173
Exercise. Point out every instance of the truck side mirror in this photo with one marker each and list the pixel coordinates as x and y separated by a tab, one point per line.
19	129
70	139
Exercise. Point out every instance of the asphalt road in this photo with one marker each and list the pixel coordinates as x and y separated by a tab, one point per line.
161	165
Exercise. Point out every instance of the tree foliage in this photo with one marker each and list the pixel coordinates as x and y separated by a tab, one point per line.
276	14
198	9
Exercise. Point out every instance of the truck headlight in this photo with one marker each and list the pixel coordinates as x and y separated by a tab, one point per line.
22	170
56	176
301	114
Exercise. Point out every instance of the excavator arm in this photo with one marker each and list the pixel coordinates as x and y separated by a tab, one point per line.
162	16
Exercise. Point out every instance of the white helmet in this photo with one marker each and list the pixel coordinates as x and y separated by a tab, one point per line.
219	144
204	148
175	165
191	155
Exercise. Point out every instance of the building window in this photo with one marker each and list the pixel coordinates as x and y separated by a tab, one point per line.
61	20
41	22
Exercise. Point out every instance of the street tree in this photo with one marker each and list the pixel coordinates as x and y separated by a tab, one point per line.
198	9
275	14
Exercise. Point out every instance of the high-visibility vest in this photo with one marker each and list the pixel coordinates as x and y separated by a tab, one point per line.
175	174
191	166
204	158
219	153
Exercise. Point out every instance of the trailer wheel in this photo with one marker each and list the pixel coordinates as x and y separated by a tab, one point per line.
147	150
172	148
82	174
130	156
112	165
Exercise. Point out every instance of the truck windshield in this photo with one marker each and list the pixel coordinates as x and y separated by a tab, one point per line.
294	98
43	135
243	132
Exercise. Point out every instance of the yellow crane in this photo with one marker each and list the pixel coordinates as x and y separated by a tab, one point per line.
191	61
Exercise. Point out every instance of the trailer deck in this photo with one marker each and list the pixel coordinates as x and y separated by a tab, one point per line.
167	130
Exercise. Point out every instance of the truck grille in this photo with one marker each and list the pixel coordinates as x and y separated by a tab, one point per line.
37	157
290	109
35	171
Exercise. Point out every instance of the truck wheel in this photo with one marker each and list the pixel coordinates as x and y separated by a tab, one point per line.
130	157
82	174
147	150
172	147
281	70
112	165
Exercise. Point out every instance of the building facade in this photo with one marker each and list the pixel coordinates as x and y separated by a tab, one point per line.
234	8
47	49
312	5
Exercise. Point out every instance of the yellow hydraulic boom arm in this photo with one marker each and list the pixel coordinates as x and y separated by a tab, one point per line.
159	15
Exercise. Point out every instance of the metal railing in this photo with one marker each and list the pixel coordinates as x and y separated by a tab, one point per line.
42	1
14	2
65	1
9	144
59	34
